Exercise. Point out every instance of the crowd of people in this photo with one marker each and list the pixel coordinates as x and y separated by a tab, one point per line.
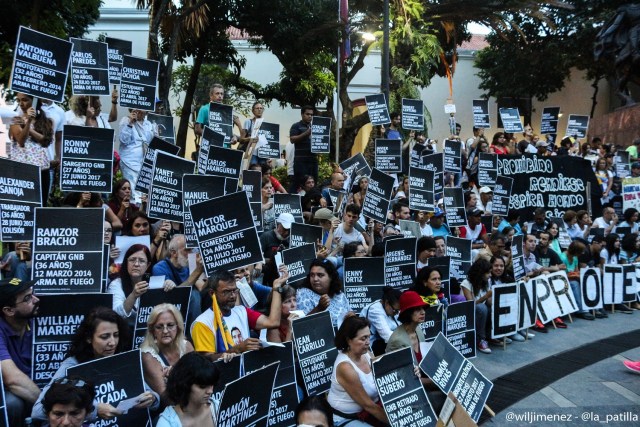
176	351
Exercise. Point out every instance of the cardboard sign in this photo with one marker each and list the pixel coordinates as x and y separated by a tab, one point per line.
481	113
630	193
89	68
178	296
229	372
285	393
163	127
504	310
487	169
298	261
40	64
245	401
591	288
577	126
221	120
117	49
67	250
619	284
363	281
403	398
196	189
252	185
377	108
452	156
144	178
288	203
461	327
511	120
517	257
378	197
412	114
116	378
549	120
165	193
454	207
223	162
358	164
301	234
435	163
451	372
388	155
421	194
622	163
20	194
400	262
138	82
460	252
55	326
227	237
313	337
555	298
271	134
320	134
210	138
86	164
501	196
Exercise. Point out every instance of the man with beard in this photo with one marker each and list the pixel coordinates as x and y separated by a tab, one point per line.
19	306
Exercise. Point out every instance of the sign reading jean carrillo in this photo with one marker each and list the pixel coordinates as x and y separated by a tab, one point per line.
227	237
87	159
19	196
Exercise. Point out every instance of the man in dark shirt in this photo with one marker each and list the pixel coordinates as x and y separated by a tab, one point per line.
305	162
550	262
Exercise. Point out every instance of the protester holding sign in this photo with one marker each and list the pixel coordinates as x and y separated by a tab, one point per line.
284	332
102	333
268	212
499	144
68	402
120	201
353	393
383	318
249	130
428	284
136	132
92	200
476	288
87	111
409	334
140	225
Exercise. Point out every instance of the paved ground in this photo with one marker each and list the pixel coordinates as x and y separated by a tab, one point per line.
602	393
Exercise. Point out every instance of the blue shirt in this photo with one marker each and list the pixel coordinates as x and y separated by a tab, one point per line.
170	272
15	347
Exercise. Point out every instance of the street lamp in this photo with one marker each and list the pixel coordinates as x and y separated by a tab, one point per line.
384	78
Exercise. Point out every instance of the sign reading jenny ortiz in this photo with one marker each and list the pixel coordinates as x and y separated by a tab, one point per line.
226	233
19	196
87	159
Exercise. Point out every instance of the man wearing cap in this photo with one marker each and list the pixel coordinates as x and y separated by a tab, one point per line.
437	224
276	239
329	223
485	204
19	306
475	229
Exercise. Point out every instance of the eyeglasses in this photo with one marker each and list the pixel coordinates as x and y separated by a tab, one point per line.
168	326
134	261
230	292
27	298
76	383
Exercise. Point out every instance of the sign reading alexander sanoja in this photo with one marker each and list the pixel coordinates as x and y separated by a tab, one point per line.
19	196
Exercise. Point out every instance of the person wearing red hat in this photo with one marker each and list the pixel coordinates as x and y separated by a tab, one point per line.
409	334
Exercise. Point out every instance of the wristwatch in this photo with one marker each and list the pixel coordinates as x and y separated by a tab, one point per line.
279	290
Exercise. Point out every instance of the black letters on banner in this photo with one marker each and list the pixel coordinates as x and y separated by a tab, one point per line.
313	336
55	326
227	237
138	83
221	121
19	196
144	178
528	303
549	121
320	134
288	203
412	114
178	296
86	163
67	250
89	68
504	310
591	288
461	329
196	189
403	397
165	193
400	262
40	65
388	155
116	378
117	49
511	120
481	113
298	261
163	127
363	281
377	108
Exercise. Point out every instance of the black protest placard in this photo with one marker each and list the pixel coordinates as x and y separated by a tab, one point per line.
40	64
117	49
336	200
378	196
165	193
222	162
400	262
227	237
481	113
363	281
116	378
55	326
434	322
288	203
163	127
320	134
138	82
221	120
388	155
67	250
472	389
356	163
301	234
487	169
252	185
410	228
517	257
435	162
144	177
245	401
563	236
196	189
86	164
454	207
577	125
271	134
591	288
210	138
504	309
89	68
412	114
377	107
460	252
461	327
621	161
421	195
452	156
403	398
313	336
549	120
285	393
178	296
511	120
20	195
229	372
298	260
501	196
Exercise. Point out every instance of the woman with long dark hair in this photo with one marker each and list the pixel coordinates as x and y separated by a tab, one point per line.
428	284
120	201
609	254
476	288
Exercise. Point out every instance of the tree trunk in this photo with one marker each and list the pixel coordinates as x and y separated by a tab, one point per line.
594	98
183	127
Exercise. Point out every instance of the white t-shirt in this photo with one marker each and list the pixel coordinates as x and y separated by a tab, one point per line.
56	114
341	236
